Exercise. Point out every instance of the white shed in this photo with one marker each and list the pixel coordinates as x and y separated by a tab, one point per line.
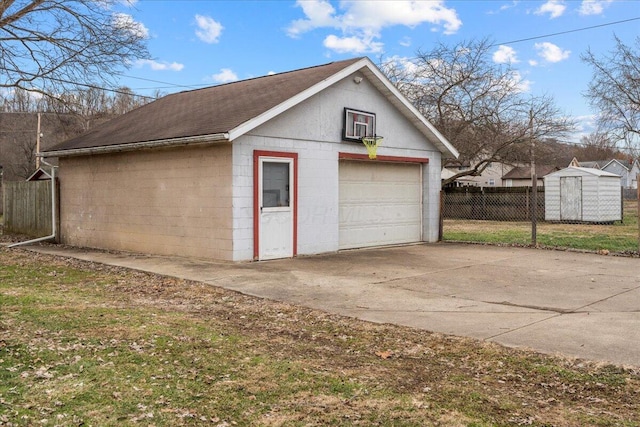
578	194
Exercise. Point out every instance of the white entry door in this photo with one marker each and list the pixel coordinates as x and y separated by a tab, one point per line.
276	207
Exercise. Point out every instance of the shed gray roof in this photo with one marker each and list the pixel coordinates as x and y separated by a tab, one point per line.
583	170
227	111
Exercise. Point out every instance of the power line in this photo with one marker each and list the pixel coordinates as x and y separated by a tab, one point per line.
194	86
161	82
174	85
567	32
88	85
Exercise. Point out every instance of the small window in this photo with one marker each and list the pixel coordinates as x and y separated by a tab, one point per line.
492	182
275	184
358	124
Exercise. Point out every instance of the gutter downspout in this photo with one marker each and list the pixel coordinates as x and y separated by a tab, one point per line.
54	217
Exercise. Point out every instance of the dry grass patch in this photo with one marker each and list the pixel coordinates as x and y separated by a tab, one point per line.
86	344
620	237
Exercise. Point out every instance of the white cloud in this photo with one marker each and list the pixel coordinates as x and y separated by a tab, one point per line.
352	44
551	53
555	8
593	7
505	55
401	63
123	21
406	42
209	29
504	7
129	3
226	75
522	84
319	14
533	62
376	15
361	22
160	66
585	125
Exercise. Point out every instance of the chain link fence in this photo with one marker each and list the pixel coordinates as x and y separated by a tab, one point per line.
492	204
604	222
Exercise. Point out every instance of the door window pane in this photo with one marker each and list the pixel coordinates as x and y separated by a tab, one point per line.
275	184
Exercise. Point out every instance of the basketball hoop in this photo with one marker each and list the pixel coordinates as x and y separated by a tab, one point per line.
372	142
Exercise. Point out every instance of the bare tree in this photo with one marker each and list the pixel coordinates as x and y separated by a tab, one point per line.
49	46
599	146
24	163
17	145
614	91
125	100
479	106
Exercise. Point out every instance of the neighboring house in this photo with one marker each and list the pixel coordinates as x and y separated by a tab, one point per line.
270	167
40	175
490	177
593	164
520	176
627	170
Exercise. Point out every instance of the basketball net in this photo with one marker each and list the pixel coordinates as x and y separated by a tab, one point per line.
372	142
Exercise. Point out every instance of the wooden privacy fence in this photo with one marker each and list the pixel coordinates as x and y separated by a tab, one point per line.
491	203
27	208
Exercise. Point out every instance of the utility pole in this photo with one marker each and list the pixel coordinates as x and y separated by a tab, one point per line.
534	185
38	144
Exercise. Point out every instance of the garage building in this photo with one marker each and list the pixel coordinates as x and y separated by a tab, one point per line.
270	167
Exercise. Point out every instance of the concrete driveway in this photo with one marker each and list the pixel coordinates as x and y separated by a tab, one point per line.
580	305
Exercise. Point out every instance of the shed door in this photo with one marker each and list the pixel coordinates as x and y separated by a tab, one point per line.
571	198
380	203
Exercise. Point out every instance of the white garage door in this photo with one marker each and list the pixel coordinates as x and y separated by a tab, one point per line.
380	204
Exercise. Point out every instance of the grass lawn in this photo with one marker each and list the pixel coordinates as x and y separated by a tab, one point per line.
85	344
618	237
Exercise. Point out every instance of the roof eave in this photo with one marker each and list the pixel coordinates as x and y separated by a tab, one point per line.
381	82
117	148
294	100
392	93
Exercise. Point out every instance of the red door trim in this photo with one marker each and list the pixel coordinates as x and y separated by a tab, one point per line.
256	209
399	159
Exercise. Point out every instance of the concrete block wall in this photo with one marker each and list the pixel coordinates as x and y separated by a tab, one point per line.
169	202
317	194
313	130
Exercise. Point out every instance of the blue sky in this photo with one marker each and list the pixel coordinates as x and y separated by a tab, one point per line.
203	43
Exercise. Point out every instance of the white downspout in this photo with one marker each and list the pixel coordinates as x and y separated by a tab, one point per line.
54	217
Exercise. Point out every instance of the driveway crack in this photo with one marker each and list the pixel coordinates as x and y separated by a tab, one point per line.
535	307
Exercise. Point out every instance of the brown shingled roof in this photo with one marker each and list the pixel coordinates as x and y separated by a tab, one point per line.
524	172
208	111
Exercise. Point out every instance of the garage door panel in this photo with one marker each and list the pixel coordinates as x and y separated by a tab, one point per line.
378	236
380	204
357	193
357	215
